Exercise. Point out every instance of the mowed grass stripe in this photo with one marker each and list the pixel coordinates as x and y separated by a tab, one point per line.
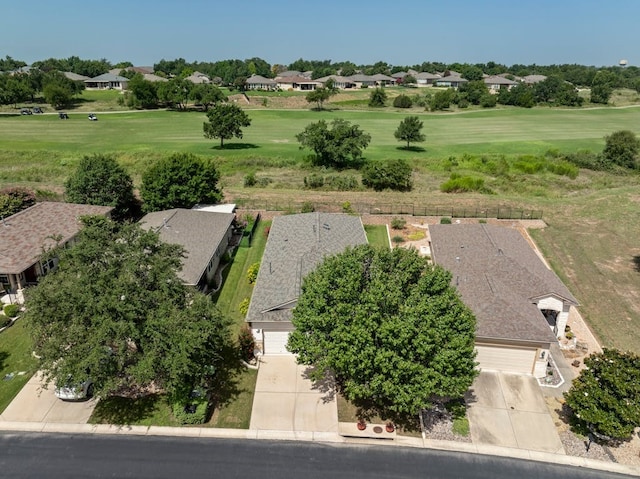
272	133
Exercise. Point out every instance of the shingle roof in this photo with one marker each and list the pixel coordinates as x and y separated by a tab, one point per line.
531	79
260	80
199	232
74	76
382	77
296	244
427	76
498	80
25	235
107	77
498	276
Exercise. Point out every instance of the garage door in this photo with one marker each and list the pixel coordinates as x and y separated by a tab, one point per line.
506	359
275	342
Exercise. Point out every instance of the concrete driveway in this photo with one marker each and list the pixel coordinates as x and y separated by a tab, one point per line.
509	410
286	400
36	404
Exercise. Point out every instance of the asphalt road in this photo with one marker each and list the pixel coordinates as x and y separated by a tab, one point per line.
35	455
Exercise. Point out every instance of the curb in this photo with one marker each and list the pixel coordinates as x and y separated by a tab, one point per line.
322	437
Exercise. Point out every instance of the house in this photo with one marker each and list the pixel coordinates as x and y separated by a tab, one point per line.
362	81
296	83
340	82
424	79
495	83
533	79
384	80
296	244
521	306
75	77
153	78
107	81
27	234
257	82
203	235
197	78
450	79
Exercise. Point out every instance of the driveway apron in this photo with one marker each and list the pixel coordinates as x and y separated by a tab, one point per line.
509	410
35	404
286	400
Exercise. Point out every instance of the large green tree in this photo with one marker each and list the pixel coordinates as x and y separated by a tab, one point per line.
115	310
100	180
389	327
621	148
605	398
207	94
378	98
391	174
225	121
340	146
181	180
410	130
322	94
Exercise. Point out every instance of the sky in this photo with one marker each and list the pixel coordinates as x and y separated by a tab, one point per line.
408	32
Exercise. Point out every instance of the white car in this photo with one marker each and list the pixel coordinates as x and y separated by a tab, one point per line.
75	392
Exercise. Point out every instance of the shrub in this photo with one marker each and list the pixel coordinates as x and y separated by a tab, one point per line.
314	181
341	182
563	168
462	184
417	235
397	239
398	223
11	310
463	103
263	181
192	409
445	221
402	101
246	343
266	231
346	207
250	180
391	174
307	207
243	307
488	101
252	273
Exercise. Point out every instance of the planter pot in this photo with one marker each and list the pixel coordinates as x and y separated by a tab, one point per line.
361	426
389	427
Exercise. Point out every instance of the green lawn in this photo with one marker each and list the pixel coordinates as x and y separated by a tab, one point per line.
150	410
16	360
377	235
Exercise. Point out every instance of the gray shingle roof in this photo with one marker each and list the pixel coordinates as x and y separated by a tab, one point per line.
260	80
296	244
498	80
107	77
198	232
23	236
498	276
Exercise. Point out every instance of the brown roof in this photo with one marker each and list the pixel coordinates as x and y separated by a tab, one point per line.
25	235
499	276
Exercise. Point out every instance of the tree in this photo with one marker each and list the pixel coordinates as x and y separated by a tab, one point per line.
621	148
142	93
391	174
408	80
442	99
181	180
402	101
207	94
116	310
175	92
100	180
605	397
601	93
389	327
57	95
15	199
320	95
226	121
410	130
339	146
378	97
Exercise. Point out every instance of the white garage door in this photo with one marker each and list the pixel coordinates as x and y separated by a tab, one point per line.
275	342
506	359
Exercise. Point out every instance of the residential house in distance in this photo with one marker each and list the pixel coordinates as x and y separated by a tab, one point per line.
521	306
340	82
197	78
450	79
107	81
204	236
257	82
425	79
296	83
27	234
495	83
296	245
75	77
533	79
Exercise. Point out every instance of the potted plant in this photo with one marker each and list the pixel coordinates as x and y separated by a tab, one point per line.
362	424
389	427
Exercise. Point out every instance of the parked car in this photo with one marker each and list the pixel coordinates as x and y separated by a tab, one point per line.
72	391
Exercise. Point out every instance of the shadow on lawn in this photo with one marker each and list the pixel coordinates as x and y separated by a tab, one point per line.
235	146
3	357
415	149
121	410
636	263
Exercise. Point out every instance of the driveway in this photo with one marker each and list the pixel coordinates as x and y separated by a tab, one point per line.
36	404
509	410
286	400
